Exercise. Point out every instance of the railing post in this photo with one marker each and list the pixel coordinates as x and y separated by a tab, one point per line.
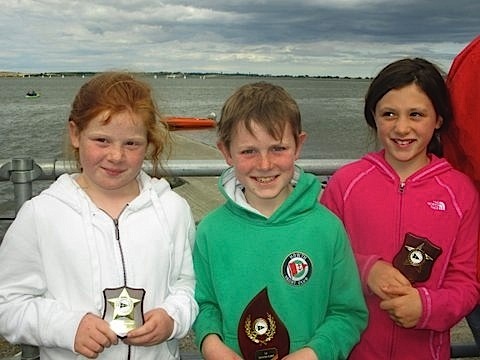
23	172
21	176
30	352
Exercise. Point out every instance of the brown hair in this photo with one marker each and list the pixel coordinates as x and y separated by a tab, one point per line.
262	103
427	76
116	92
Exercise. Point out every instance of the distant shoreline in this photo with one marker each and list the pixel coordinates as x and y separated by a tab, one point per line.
175	75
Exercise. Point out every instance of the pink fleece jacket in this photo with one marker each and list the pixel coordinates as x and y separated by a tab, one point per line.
437	203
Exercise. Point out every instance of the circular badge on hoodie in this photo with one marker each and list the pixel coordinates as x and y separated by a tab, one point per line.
297	268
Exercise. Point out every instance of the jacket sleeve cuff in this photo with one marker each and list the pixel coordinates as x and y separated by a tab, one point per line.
183	313
426	308
65	332
365	264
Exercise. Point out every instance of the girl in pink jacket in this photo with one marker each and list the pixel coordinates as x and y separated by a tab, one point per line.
412	219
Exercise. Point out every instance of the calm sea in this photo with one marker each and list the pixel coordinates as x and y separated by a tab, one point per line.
331	113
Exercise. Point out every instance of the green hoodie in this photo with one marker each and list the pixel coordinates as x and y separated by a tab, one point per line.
239	252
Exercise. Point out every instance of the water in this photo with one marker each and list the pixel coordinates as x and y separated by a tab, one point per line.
331	114
331	111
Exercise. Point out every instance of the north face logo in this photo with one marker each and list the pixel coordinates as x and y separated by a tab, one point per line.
437	205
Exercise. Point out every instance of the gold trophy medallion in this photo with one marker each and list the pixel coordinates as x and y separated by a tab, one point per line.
123	309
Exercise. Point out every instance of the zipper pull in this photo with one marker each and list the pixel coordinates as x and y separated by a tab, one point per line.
117	230
402	187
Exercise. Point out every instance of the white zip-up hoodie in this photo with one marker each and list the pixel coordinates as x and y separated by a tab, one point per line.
62	251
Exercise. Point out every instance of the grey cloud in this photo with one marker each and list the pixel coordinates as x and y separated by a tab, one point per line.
344	37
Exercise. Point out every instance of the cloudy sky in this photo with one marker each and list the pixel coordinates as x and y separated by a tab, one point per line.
294	37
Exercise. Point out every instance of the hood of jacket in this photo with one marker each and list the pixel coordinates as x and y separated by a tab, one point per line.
297	203
67	191
435	167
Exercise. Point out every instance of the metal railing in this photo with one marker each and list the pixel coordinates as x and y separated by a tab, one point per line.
23	171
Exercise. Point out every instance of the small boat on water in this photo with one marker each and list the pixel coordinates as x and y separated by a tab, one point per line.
32	94
185	122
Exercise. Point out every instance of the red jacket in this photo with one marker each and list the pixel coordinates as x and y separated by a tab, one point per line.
437	203
461	143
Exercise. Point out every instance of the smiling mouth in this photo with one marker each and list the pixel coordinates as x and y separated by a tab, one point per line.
113	171
403	142
265	179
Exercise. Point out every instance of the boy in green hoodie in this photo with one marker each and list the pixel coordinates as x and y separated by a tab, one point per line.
276	278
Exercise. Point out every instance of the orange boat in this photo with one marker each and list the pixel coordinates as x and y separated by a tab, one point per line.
177	122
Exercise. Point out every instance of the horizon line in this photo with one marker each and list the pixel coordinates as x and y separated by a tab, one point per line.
170	74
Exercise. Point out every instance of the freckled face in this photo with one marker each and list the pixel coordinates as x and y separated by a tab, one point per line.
406	121
263	164
111	154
